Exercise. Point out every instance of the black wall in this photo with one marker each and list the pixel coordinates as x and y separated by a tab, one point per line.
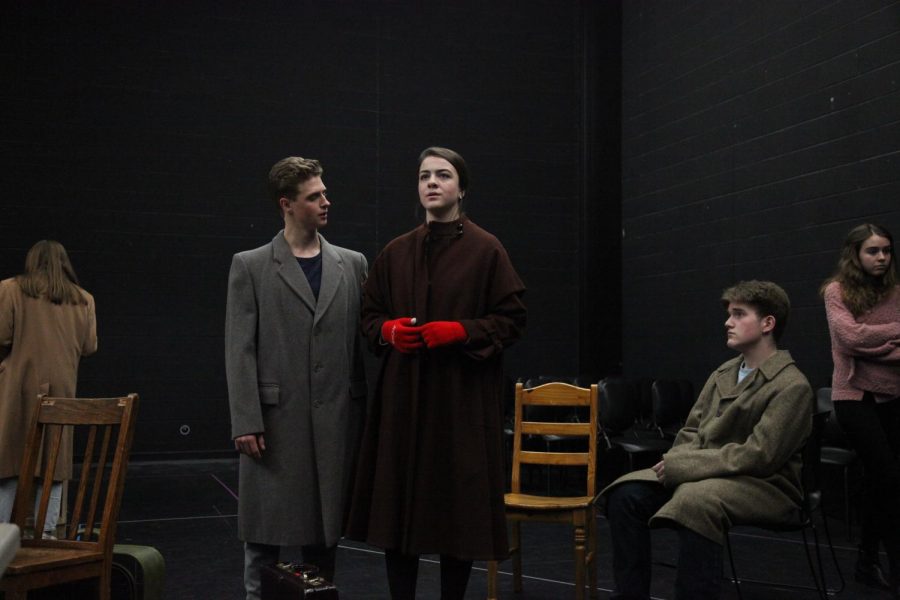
140	136
755	135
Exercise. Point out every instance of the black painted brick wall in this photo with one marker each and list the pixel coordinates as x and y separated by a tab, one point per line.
140	135
755	135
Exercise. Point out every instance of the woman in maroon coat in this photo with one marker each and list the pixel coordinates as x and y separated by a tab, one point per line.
441	303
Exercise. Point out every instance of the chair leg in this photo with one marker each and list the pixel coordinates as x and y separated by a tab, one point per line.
579	556
592	553
847	514
734	575
837	566
817	576
516	551
106	584
492	579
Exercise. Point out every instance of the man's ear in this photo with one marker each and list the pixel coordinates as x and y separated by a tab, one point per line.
768	324
284	203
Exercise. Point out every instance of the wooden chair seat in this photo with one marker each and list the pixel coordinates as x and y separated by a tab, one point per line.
547	503
31	560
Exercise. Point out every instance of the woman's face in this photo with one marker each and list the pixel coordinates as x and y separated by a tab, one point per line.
875	255
439	190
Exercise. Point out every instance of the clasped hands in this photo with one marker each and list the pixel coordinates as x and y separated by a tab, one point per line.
407	337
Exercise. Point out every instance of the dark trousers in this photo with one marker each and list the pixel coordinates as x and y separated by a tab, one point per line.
628	509
874	431
403	569
324	557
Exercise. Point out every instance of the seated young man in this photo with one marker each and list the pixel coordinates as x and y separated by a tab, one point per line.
736	460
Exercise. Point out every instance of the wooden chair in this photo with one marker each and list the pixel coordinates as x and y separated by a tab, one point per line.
105	426
577	511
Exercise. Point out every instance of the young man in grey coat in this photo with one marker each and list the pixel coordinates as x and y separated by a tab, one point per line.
296	385
736	460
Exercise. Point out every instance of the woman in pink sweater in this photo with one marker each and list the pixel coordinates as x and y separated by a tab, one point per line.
862	303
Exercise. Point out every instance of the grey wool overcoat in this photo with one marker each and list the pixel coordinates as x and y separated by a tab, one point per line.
738	458
295	374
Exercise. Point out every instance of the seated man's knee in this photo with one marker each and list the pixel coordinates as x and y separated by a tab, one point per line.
703	504
704	495
635	499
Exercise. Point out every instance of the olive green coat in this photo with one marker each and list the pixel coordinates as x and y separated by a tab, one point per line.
41	344
738	458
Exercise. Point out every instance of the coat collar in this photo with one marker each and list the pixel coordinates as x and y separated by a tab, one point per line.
332	275
291	273
441	228
726	375
776	363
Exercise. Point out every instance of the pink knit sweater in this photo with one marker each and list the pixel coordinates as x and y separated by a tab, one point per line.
865	350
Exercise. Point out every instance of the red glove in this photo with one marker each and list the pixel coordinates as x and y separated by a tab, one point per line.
443	333
402	335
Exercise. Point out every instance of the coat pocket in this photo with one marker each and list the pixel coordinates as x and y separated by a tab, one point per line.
269	394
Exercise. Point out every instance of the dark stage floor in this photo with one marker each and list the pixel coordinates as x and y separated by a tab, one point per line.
188	511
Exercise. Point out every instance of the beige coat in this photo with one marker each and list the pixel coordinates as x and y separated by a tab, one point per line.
41	344
738	458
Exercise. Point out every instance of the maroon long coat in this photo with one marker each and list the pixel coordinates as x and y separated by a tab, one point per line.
430	478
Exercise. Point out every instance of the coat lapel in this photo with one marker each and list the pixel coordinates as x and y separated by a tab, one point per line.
730	390
290	272
332	275
727	385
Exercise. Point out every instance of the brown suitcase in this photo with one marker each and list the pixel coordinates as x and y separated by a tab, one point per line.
294	581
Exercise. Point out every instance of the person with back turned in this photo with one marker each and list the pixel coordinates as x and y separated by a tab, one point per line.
296	384
47	323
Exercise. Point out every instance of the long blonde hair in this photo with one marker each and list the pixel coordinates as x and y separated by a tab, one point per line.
49	274
859	290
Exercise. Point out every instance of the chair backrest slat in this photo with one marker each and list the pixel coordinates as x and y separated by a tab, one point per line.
97	483
558	395
53	438
71	411
82	482
572	459
543	428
